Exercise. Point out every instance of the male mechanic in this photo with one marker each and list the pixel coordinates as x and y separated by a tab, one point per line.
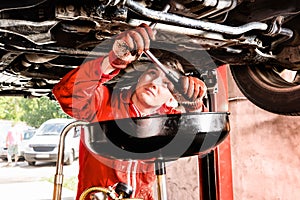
83	95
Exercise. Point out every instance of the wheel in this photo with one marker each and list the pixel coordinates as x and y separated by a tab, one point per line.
268	89
31	163
71	158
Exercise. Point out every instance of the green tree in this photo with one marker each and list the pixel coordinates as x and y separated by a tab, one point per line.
33	111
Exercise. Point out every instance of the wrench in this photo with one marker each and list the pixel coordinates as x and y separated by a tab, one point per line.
172	75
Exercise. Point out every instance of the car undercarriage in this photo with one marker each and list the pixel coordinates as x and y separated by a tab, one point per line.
42	40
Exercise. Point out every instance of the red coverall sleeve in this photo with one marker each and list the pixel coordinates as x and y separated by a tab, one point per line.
80	93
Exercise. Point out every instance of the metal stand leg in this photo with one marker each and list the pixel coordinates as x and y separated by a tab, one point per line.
160	171
58	179
207	174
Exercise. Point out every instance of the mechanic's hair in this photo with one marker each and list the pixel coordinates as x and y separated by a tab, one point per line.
138	67
171	62
167	58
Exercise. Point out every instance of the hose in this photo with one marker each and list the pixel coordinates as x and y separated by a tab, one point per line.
93	189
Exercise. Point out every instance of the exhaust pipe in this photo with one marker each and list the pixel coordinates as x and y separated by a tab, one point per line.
174	19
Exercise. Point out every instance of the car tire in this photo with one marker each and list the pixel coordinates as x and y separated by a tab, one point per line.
71	158
265	88
31	163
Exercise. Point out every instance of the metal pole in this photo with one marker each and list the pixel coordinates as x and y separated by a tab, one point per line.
58	179
160	171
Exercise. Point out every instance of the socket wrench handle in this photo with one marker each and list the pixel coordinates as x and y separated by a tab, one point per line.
172	75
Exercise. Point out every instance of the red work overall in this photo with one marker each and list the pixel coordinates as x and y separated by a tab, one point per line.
83	96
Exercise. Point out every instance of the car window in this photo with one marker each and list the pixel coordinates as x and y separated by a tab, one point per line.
51	129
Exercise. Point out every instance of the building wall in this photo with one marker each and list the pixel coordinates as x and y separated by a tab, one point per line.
265	151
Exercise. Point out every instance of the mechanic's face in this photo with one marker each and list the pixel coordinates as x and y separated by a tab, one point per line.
152	89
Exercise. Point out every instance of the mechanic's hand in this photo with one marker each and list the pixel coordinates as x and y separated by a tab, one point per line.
192	87
129	45
193	90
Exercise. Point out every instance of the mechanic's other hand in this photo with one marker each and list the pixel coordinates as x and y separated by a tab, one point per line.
129	45
193	90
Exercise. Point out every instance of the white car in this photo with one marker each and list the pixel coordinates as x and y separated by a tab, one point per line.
43	146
